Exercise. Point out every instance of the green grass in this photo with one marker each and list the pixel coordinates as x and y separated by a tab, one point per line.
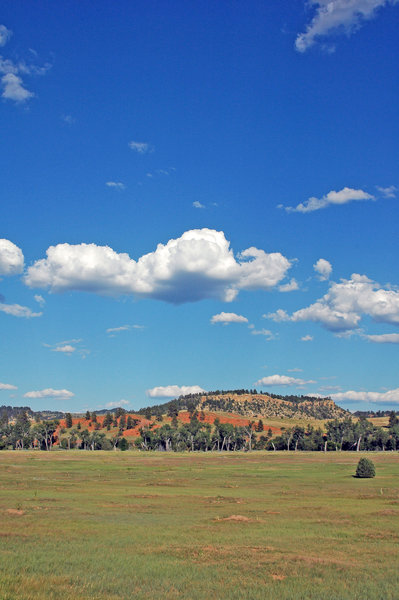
112	525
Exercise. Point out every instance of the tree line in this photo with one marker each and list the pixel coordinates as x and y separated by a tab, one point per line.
196	435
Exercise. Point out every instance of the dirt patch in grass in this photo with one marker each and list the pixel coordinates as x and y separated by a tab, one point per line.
322	560
388	535
238	518
387	512
276	577
15	511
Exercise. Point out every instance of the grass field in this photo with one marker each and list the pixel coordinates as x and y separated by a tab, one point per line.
111	525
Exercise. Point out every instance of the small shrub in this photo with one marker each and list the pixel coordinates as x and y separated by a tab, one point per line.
365	468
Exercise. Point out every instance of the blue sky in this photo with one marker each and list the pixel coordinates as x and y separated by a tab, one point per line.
198	196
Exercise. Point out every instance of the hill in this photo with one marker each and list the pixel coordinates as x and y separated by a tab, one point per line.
252	404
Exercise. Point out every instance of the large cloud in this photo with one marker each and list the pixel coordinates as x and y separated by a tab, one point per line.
11	258
200	264
336	15
284	380
388	397
173	391
345	304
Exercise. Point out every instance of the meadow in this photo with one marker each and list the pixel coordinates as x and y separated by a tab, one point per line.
261	525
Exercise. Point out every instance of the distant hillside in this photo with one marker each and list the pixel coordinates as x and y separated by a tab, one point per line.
249	404
9	413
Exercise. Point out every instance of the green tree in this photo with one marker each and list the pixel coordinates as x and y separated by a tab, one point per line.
123	444
365	468
259	426
122	423
68	420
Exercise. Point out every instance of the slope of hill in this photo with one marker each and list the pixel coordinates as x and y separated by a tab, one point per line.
249	404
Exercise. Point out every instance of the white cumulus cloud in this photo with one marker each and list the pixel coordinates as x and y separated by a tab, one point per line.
50	393
307	338
384	338
11	258
291	286
226	318
173	391
198	265
337	16
283	380
117	404
7	386
323	268
16	310
388	397
13	88
197	204
346	303
332	198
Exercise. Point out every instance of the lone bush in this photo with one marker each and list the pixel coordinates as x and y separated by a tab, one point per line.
365	468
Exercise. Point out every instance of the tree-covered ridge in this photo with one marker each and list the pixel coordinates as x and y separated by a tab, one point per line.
250	403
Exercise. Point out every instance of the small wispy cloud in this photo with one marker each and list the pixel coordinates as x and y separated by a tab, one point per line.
226	318
7	386
307	338
68	119
13	86
16	310
140	147
282	380
291	286
5	35
39	299
118	185
384	338
67	349
113	330
117	404
323	269
333	198
269	335
49	393
197	204
337	16
388	192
